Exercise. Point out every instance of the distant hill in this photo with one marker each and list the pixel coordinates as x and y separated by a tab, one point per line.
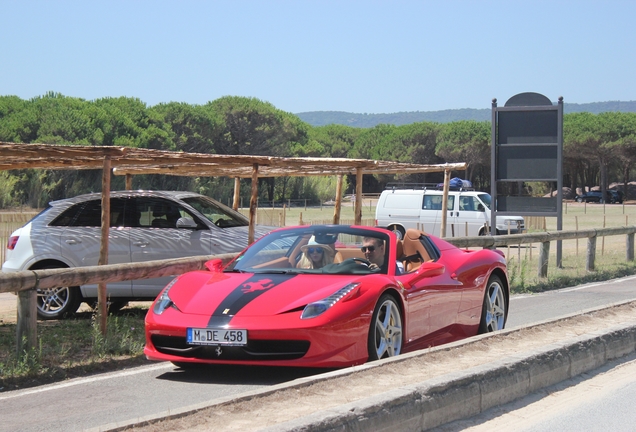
322	118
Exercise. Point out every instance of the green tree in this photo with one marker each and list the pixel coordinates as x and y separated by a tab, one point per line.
466	141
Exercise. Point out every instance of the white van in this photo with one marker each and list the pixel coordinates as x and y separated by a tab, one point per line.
468	213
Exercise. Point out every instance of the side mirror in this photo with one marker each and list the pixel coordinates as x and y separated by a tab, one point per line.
480	208
186	222
215	265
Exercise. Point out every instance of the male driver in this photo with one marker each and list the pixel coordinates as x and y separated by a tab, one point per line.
373	249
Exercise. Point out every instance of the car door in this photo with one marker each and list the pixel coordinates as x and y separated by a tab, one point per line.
434	300
155	236
81	239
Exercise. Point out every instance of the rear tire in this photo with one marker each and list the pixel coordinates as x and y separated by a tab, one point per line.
495	308
385	332
57	303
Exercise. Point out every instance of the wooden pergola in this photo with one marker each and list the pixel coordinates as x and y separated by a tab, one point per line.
130	161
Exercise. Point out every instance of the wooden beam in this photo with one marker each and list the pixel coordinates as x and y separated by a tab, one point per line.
102	298
129	178
26	322
253	204
337	207
358	203
442	231
237	193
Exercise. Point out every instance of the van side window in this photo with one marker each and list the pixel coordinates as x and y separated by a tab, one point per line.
468	203
432	202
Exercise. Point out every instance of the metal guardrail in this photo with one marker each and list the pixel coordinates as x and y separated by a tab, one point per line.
26	283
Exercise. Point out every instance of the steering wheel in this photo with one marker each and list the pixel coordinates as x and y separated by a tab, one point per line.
359	261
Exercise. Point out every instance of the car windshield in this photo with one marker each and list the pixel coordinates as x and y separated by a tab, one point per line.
317	249
485	198
217	213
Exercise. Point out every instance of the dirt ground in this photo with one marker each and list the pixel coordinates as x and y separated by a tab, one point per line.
8	304
295	402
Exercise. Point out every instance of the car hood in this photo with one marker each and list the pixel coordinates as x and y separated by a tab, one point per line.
249	294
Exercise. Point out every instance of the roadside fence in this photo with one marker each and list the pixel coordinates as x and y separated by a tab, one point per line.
26	283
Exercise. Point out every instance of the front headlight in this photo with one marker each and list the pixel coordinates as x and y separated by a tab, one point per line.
164	301
319	307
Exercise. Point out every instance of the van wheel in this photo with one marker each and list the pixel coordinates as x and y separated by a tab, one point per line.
398	231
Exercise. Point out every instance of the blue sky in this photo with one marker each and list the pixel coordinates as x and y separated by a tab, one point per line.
321	55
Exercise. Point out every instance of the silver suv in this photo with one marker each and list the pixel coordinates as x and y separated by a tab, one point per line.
145	225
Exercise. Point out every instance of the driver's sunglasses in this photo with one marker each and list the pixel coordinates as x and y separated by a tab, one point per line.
364	249
314	250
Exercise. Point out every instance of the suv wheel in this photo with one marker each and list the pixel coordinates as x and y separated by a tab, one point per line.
56	303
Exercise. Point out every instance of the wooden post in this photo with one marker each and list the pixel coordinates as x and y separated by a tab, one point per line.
603	239
284	215
129	181
253	204
442	230
337	207
591	253
102	294
630	247
358	203
576	224
237	193
544	255
27	321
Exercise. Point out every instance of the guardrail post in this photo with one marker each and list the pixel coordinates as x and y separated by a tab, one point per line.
630	247
26	321
591	253
544	254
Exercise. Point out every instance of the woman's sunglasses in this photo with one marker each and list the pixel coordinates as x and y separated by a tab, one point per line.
314	250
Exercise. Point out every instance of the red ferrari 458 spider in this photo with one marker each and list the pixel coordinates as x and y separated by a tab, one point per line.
328	296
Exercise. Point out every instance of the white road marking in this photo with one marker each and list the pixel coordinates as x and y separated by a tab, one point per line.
81	381
577	288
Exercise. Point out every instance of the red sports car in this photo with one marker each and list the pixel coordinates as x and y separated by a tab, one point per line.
328	296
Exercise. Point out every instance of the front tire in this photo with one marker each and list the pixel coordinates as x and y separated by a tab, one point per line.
385	332
495	308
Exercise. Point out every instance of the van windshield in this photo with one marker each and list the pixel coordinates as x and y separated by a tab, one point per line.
485	198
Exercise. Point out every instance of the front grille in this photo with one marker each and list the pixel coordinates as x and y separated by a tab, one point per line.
254	350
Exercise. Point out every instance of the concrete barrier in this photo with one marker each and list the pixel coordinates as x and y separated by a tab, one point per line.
445	398
467	393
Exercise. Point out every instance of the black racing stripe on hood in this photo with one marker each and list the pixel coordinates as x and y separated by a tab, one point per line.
243	295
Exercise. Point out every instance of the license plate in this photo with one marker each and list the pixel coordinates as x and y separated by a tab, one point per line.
207	336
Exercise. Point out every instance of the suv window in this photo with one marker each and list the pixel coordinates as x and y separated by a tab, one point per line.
89	214
217	213
151	212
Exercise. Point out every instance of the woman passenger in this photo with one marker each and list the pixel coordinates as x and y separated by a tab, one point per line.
315	255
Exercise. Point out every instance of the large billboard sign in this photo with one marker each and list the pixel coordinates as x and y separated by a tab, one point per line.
527	147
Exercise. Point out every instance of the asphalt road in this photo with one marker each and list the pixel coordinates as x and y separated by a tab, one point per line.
159	387
601	400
